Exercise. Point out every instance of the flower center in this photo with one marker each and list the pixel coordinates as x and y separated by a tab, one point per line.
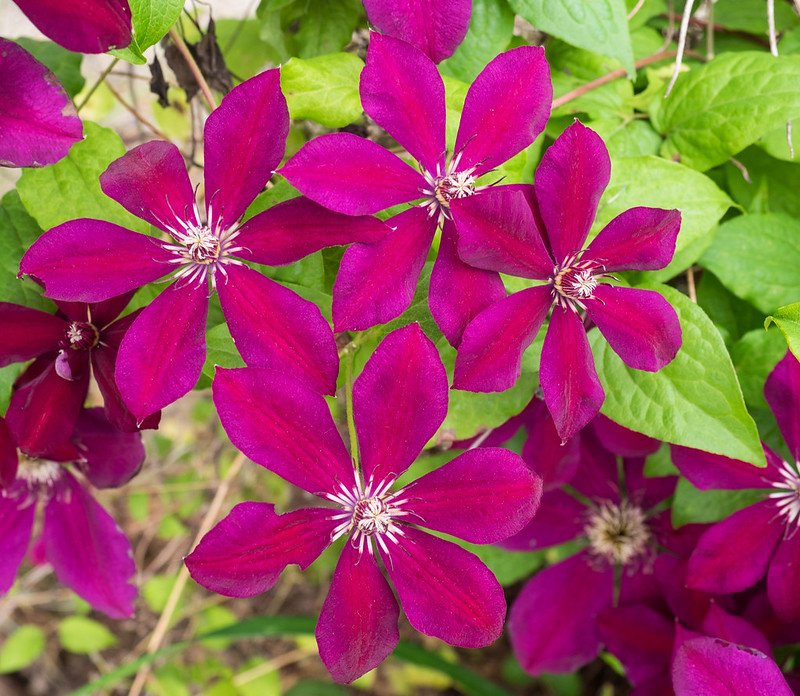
203	245
573	281
35	478
787	498
372	516
82	336
444	186
617	533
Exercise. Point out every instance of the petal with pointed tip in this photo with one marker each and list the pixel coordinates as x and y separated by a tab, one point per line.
640	325
283	425
357	627
292	230
399	401
91	260
16	526
173	329
434	28
506	108
490	354
376	282
543	451
376	179
782	391
274	327
482	496
247	551
569	181
27	333
151	182
445	590
88	551
38	122
708	471
720	624
111	457
459	292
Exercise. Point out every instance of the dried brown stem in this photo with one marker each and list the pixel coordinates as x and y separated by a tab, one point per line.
198	75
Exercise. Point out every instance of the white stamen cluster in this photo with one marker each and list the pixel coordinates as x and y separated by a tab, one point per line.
788	498
444	186
369	512
617	533
35	478
202	251
573	281
81	335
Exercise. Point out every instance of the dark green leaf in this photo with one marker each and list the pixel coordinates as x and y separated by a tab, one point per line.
732	316
751	16
773	184
326	26
691	505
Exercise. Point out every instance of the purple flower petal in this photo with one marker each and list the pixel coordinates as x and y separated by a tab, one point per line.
640	325
376	179
551	623
27	333
458	292
151	182
172	327
246	552
572	391
720	624
401	89
569	181
543	451
376	282
782	390
560	518
115	259
298	227
708	471
619	440
490	355
733	554
111	457
88	551
42	413
641	239
357	627
245	139
283	425
399	401
482	496
713	667
688	605
16	525
274	327
506	108
498	231
38	122
445	591
783	580
435	29
85	26
8	458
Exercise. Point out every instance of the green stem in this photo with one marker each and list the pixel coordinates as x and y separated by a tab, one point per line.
94	87
351	423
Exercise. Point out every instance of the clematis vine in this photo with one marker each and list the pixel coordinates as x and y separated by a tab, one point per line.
538	233
401	89
50	393
91	260
399	401
79	538
763	538
38	121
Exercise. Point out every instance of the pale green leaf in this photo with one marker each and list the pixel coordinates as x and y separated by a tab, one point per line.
754	356
21	648
787	319
152	19
80	634
691	505
695	401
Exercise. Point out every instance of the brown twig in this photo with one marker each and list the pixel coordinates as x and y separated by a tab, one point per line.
136	114
690	286
198	75
99	81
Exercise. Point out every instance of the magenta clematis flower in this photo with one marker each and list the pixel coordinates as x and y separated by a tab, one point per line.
50	393
91	260
538	232
760	539
505	109
399	401
38	121
83	26
79	538
433	28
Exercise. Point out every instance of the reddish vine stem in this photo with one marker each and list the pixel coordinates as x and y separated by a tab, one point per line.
198	75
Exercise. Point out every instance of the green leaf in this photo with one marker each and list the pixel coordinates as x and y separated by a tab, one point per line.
490	30
691	505
732	316
152	19
70	189
754	356
18	231
326	26
80	634
628	138
21	648
508	566
7	376
694	401
654	182
245	53
725	105
756	257
787	319
600	25
751	16
323	89
773	184
65	64
660	463
313	687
